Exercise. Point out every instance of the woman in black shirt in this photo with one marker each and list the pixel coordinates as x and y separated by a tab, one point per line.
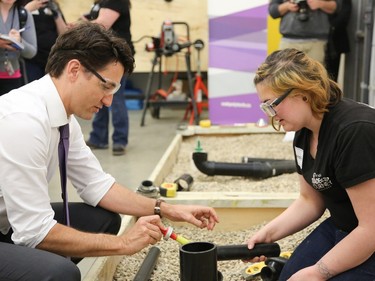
334	151
49	23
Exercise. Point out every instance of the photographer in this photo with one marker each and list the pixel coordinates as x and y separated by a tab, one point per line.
304	24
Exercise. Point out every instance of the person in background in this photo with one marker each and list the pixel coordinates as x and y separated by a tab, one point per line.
12	16
49	23
338	40
83	73
304	24
333	149
115	15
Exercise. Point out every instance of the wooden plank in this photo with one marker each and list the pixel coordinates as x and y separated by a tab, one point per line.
167	161
235	199
250	128
103	268
235	219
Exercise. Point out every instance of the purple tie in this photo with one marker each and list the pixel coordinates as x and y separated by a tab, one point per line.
63	158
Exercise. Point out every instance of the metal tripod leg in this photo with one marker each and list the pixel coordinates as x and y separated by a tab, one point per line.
146	103
191	92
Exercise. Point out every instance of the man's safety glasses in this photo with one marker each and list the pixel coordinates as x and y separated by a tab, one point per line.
269	107
108	86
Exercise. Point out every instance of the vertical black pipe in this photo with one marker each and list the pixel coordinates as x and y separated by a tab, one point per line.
148	265
146	102
198	262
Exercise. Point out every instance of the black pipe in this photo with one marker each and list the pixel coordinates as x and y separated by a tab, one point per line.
272	271
198	262
148	265
246	159
253	169
242	252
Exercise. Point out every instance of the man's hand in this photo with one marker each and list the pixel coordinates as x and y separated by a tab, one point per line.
146	231
200	216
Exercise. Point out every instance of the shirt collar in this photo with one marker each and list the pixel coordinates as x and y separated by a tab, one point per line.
55	107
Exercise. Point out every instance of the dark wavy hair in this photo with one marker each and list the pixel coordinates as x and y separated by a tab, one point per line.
92	45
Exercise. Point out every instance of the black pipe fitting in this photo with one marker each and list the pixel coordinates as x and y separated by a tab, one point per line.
198	262
148	189
256	169
272	271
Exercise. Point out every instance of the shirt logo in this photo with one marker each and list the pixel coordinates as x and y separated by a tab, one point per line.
321	183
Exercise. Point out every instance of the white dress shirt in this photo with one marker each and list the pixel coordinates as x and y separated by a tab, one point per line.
29	120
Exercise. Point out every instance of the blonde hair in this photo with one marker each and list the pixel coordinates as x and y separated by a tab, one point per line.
293	69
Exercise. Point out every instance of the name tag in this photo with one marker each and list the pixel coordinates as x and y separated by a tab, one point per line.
299	156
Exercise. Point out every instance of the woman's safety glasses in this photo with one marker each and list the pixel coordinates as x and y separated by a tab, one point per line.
269	107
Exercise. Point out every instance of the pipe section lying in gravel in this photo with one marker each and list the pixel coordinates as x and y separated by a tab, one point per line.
148	265
253	169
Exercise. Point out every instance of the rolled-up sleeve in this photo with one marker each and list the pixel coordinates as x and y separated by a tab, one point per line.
273	9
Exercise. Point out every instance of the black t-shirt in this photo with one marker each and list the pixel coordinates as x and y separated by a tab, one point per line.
345	157
122	25
46	34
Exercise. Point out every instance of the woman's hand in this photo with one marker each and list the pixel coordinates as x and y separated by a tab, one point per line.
259	237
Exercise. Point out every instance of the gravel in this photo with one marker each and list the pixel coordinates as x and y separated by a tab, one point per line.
228	148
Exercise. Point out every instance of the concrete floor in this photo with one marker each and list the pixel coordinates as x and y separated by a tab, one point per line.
146	146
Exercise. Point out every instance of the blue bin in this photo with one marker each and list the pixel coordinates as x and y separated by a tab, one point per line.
133	104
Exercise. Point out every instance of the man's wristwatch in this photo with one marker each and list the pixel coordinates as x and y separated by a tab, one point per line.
157	210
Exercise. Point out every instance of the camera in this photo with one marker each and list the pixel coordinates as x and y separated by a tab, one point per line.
303	7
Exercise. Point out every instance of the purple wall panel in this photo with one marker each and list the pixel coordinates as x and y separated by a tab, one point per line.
237	43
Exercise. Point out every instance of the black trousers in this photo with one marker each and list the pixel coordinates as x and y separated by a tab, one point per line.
7	85
28	264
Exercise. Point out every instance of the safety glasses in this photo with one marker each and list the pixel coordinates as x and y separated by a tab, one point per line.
108	86
269	107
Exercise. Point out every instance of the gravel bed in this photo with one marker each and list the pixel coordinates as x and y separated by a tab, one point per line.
229	148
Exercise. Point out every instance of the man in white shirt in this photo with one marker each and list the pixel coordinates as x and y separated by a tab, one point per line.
84	69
